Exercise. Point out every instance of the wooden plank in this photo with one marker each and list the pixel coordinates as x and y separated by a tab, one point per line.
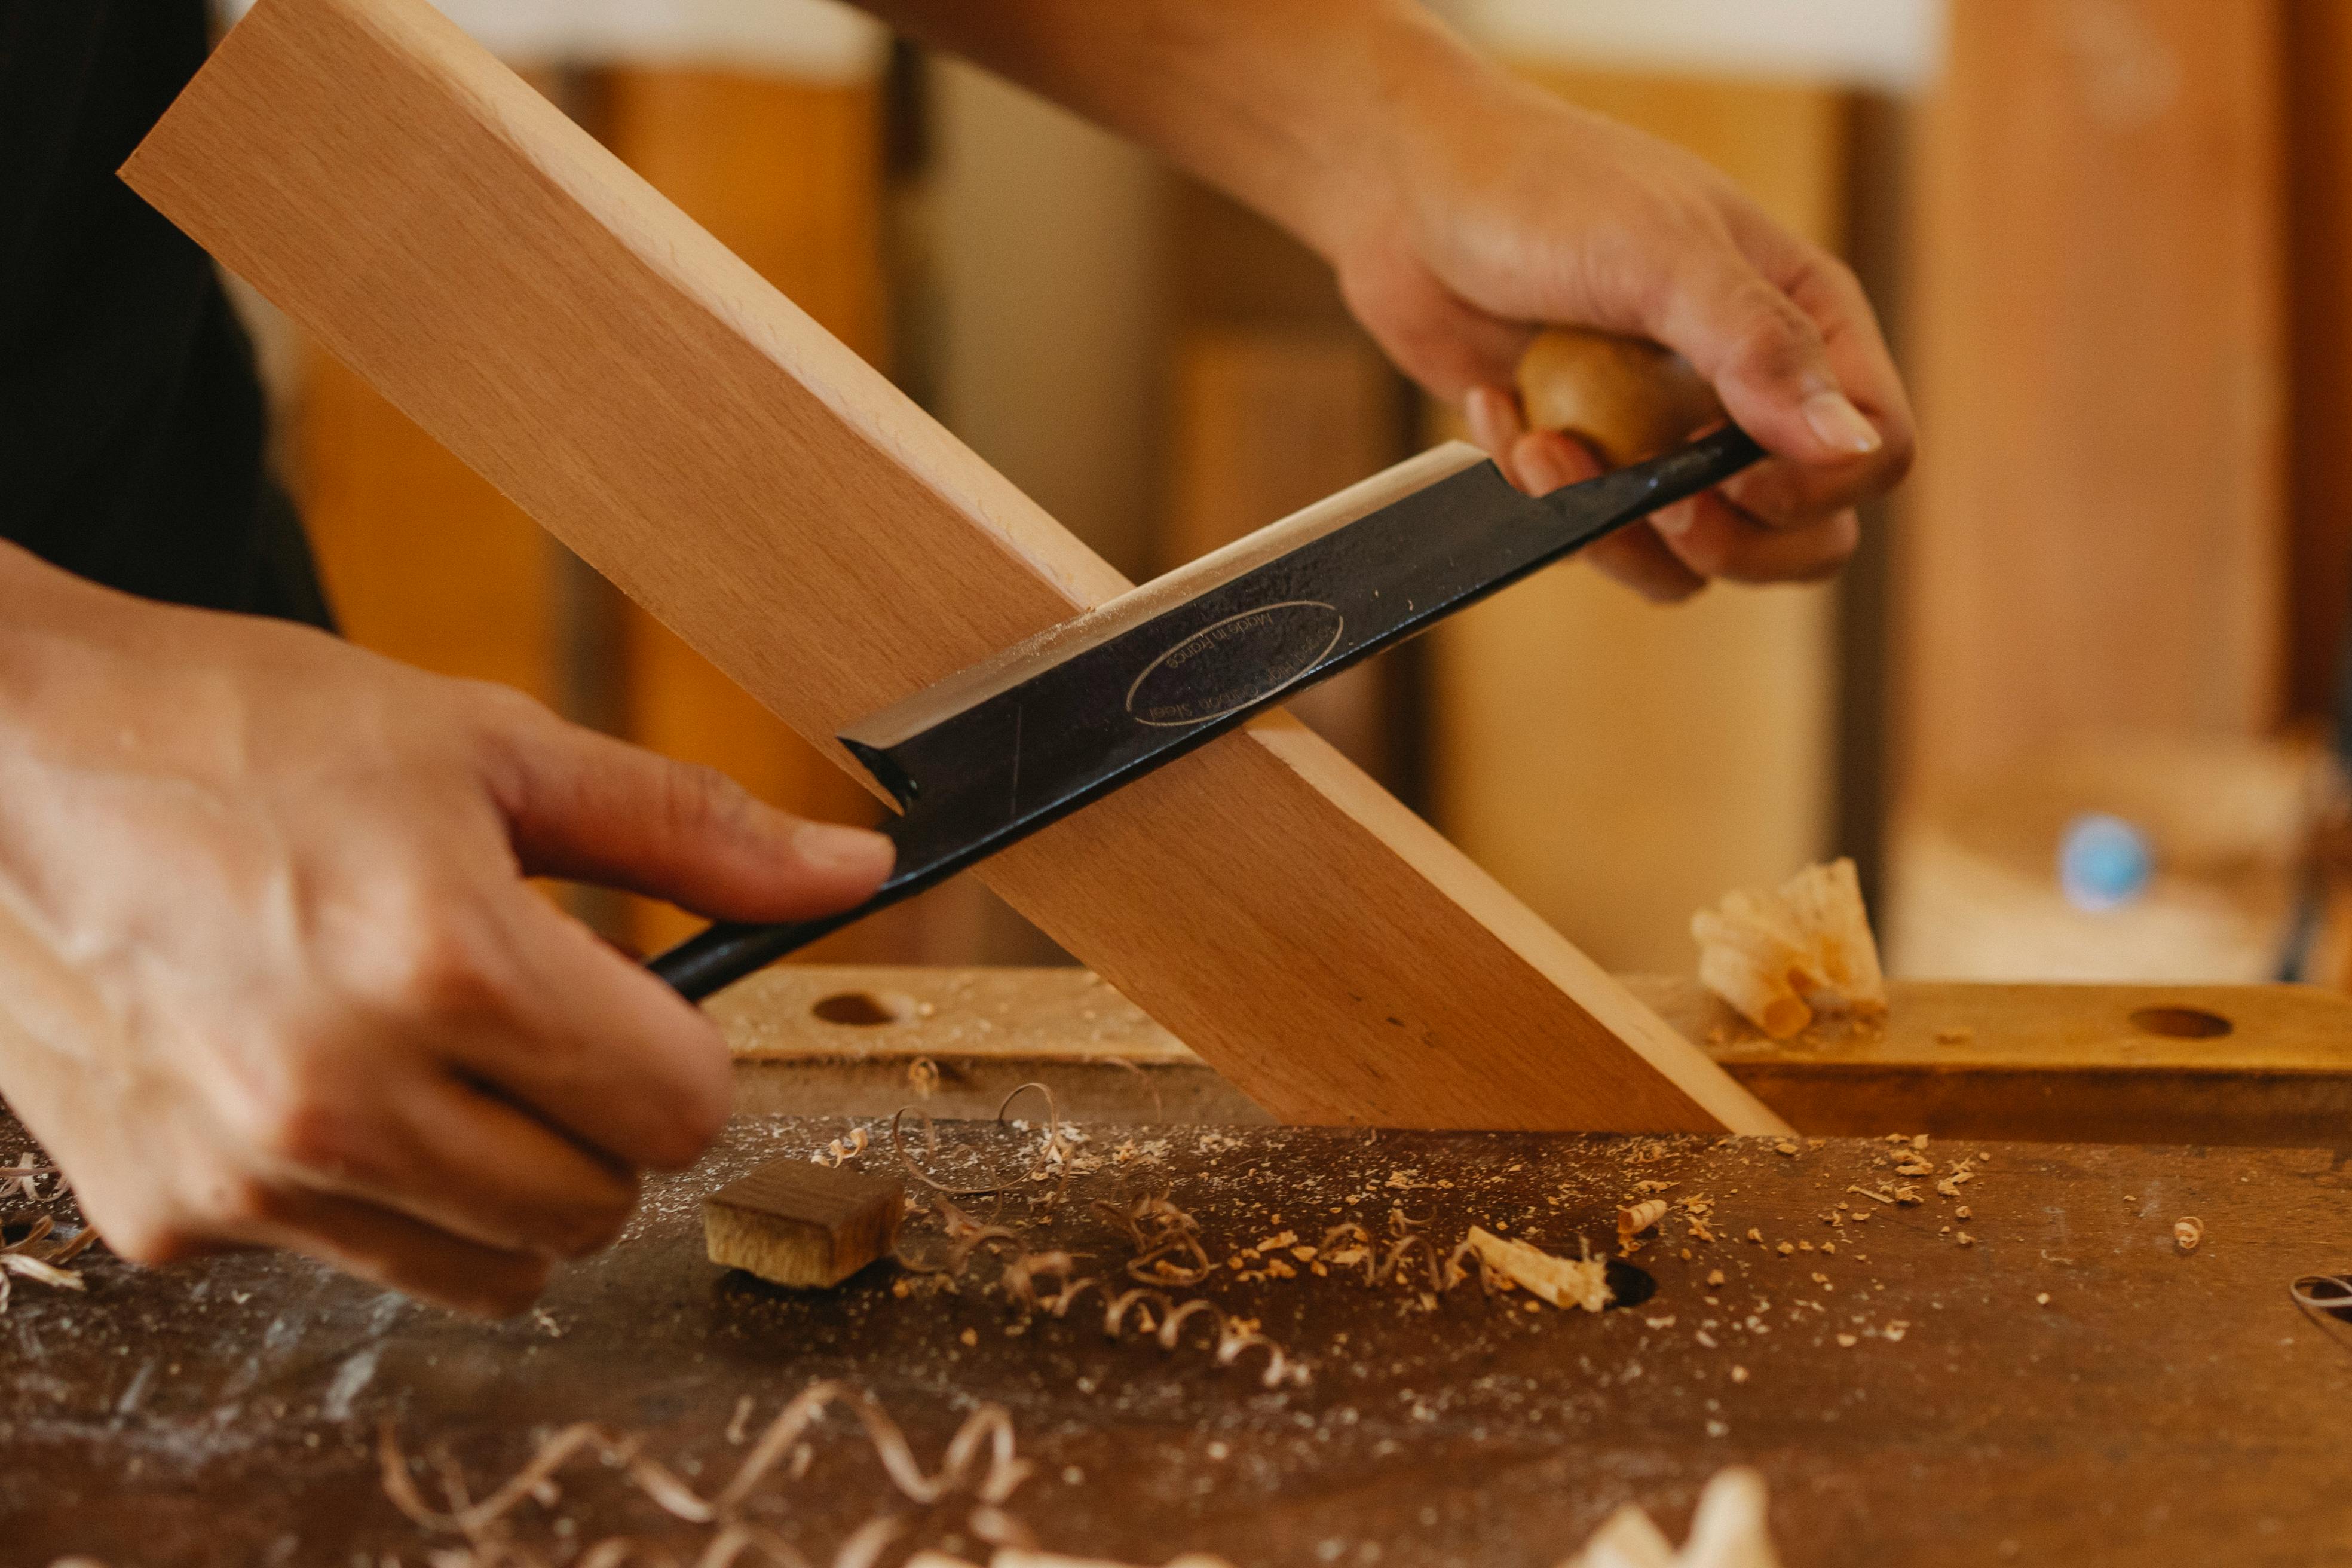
788	176
795	1222
2259	1065
770	497
2319	231
2094	532
1677	751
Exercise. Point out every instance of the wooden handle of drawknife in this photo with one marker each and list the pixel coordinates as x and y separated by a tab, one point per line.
1628	398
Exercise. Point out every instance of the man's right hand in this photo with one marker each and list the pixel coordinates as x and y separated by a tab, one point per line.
269	972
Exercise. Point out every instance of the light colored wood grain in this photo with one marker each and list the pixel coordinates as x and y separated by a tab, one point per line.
1615	763
2094	532
692	434
798	1223
2113	1064
788	176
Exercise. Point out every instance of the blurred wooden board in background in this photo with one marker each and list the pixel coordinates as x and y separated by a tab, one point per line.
2094	536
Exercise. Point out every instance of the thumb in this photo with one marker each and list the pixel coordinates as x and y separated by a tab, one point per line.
1765	358
585	806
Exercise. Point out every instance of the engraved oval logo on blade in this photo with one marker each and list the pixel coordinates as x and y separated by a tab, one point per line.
1233	663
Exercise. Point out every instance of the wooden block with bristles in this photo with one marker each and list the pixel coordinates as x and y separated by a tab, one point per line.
798	1223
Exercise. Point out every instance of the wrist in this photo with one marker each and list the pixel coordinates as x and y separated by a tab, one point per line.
1419	90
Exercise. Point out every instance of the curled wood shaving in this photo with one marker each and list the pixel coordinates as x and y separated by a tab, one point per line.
34	1256
979	1458
2323	1297
2188	1233
1167	1240
1154	1312
1564	1282
842	1149
22	1179
923	1077
1632	1222
1049	1282
1052	1155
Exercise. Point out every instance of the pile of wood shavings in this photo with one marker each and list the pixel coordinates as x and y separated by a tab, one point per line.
980	1461
1780	955
1168	1252
1502	1264
34	1256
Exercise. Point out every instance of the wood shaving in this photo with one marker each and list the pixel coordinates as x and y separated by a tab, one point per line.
980	1460
923	1077
2188	1233
842	1150
1730	1531
1632	1222
1053	1153
1049	1282
1564	1282
34	1256
1778	956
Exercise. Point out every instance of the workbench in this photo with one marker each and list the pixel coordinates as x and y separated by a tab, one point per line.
2067	1386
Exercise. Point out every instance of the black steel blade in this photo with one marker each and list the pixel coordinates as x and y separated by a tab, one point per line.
988	757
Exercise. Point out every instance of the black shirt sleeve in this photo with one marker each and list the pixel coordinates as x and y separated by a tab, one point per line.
131	417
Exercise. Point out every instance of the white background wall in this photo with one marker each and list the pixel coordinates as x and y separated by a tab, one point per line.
1887	43
812	39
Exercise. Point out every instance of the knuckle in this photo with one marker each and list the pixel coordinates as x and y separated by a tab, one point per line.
439	971
300	1111
1780	340
503	708
236	1201
694	800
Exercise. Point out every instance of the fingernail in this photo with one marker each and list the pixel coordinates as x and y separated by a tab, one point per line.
1840	424
855	852
1675	521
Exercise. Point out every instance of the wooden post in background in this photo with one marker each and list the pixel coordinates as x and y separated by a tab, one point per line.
2094	532
2094	545
1615	763
2318	52
423	560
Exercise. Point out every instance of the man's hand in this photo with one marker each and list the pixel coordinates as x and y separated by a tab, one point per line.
1506	209
269	973
1463	210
